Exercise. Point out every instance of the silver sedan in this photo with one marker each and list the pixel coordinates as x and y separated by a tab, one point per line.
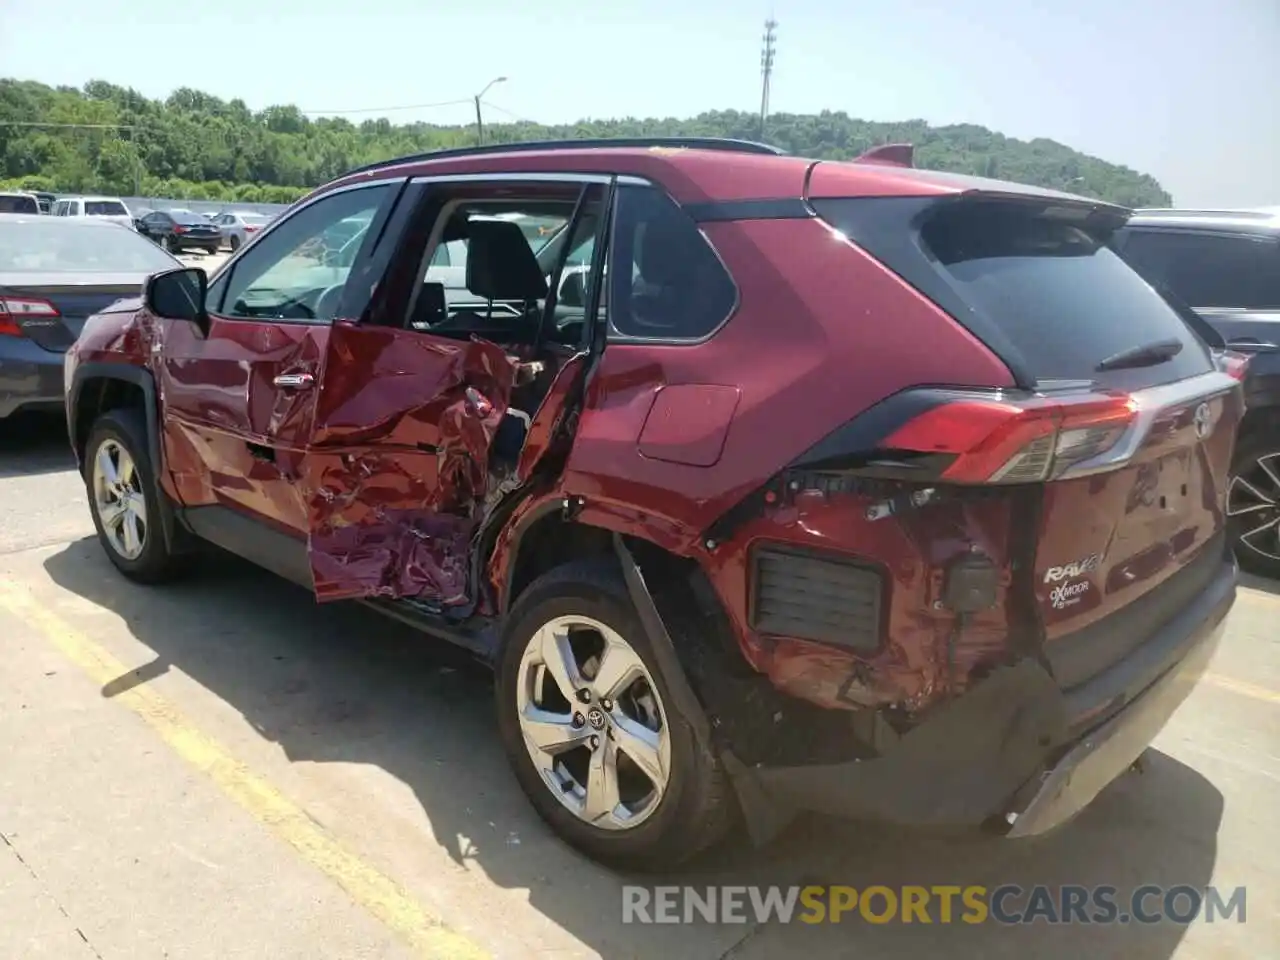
239	226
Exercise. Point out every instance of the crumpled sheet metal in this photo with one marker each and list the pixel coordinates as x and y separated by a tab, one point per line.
395	517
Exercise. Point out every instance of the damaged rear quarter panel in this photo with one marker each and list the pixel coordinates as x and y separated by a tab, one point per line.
397	470
911	668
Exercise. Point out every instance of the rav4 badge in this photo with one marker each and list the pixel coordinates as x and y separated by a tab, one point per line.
1077	568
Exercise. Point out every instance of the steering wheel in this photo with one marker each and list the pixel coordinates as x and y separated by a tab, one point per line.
329	301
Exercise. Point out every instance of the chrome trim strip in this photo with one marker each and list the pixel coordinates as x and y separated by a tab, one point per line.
1153	404
508	177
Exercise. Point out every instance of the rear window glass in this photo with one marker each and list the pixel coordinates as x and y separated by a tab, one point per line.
1208	269
186	216
254	218
12	204
104	208
59	246
1029	281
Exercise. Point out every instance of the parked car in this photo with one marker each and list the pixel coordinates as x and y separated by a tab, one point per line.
18	202
45	200
727	534
105	208
178	230
238	226
54	273
1225	264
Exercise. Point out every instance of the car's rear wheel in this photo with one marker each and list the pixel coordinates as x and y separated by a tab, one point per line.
234	243
1253	503
124	499
211	250
593	732
171	244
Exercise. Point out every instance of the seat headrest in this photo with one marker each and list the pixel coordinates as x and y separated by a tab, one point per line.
431	306
500	263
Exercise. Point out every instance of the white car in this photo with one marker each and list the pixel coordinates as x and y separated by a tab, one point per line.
239	226
19	202
105	208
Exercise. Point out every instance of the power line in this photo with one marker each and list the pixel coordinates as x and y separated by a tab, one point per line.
513	116
67	126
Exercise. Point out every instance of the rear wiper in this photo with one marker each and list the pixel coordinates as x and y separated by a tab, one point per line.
1147	355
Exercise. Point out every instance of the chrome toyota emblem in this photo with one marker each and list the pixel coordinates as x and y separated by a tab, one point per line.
596	718
1203	420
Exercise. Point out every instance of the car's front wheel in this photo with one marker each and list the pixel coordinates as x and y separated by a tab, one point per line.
1253	503
124	499
593	732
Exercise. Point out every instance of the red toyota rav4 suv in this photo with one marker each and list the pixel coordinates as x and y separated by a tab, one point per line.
764	483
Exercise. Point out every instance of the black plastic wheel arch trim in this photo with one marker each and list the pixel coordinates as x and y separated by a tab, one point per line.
141	378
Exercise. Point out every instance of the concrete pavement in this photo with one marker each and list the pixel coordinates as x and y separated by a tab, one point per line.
222	768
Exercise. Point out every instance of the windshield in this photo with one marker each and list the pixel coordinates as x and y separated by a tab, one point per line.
104	208
55	246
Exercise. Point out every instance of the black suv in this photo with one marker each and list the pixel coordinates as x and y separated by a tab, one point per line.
1225	264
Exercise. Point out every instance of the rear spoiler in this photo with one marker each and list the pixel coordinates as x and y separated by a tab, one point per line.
889	155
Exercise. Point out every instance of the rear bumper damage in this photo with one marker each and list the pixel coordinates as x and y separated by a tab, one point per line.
1016	751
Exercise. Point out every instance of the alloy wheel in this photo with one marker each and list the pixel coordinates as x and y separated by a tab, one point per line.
118	499
593	722
1254	500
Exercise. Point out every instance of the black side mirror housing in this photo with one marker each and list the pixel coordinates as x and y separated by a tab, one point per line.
179	295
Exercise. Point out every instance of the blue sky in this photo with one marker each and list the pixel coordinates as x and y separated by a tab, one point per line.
1187	90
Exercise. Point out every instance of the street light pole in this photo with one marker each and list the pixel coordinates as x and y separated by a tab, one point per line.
479	120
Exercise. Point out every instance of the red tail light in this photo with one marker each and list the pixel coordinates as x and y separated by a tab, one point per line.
998	441
249	229
1234	364
14	309
178	229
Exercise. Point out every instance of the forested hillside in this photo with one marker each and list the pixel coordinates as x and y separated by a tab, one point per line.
196	146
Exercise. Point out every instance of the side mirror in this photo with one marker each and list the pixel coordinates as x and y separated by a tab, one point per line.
178	295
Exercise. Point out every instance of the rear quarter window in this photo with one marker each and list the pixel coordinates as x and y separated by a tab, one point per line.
666	283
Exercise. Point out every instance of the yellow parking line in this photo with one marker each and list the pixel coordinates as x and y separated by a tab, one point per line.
1242	687
373	890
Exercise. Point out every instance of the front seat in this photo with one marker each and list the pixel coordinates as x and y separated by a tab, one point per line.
501	265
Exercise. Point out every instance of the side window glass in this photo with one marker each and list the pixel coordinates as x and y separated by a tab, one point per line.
1209	270
299	270
665	281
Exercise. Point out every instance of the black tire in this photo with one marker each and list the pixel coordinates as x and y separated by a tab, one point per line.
697	808
127	427
211	250
171	245
1250	447
234	243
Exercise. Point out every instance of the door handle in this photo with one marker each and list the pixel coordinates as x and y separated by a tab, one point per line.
294	381
1253	346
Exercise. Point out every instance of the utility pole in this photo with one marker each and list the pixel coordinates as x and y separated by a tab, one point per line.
767	53
479	119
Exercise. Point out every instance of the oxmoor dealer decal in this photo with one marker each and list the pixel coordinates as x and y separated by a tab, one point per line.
1068	594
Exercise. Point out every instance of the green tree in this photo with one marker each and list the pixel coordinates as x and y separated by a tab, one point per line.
194	138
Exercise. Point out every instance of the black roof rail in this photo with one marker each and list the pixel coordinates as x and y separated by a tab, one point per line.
587	143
